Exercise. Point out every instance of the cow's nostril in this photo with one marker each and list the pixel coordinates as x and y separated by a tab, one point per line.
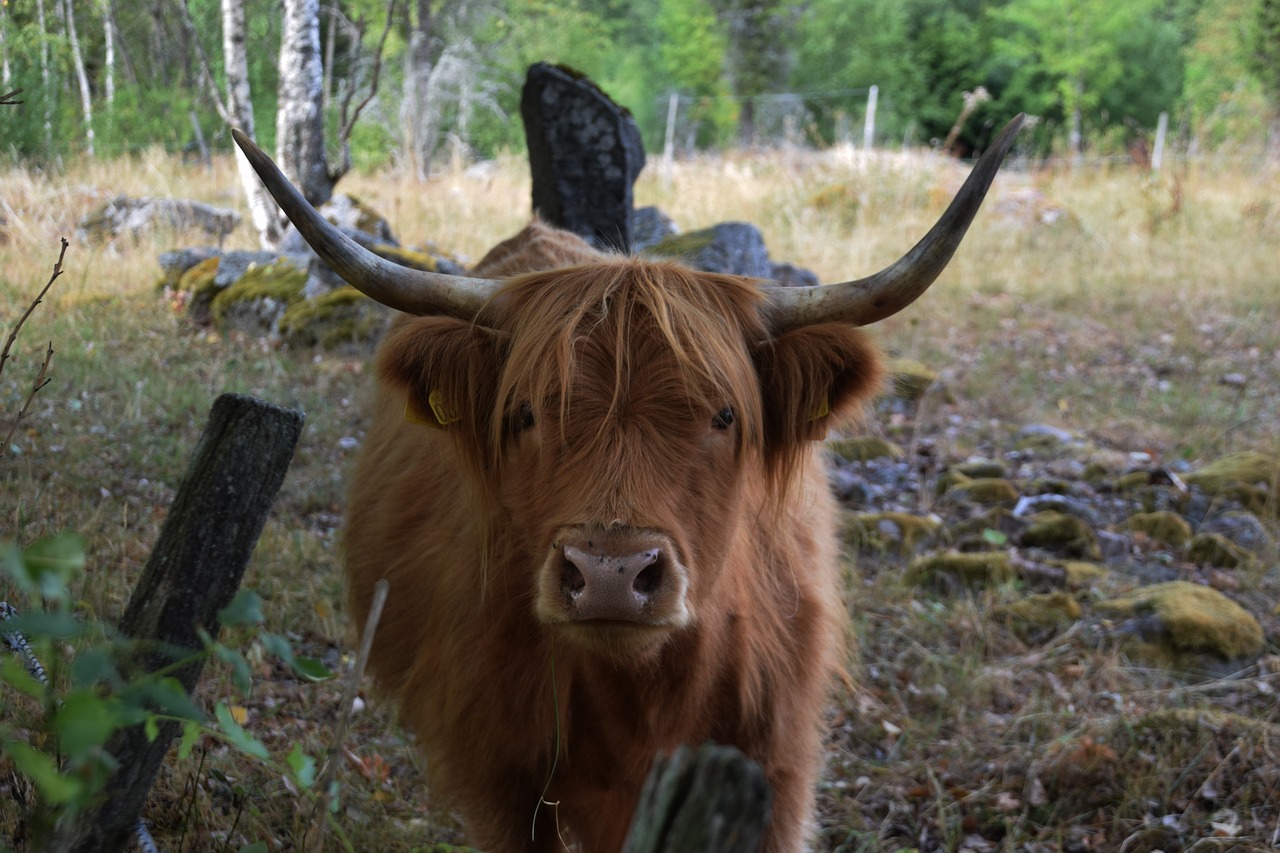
650	578
571	580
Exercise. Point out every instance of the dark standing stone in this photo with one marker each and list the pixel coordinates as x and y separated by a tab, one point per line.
585	153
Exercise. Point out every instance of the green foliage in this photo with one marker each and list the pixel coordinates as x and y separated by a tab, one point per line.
76	713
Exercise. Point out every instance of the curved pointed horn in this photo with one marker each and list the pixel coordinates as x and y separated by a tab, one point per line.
869	300
403	288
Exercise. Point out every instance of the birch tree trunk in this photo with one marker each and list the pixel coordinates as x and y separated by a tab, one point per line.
300	122
262	208
417	78
6	73
46	95
86	103
109	63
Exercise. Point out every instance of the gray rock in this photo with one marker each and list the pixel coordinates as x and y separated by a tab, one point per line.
1242	528
649	227
125	215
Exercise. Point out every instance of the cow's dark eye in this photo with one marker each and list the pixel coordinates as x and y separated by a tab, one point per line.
521	418
723	418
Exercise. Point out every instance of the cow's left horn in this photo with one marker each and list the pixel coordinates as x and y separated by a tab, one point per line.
403	288
876	297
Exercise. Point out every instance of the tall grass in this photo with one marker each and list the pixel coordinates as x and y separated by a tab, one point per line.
1119	320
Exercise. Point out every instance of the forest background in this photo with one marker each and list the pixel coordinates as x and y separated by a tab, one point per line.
106	77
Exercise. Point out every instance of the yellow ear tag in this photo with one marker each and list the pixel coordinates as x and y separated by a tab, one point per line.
822	411
438	415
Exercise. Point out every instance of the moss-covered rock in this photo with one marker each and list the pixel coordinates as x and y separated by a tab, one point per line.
910	379
979	569
884	530
1163	526
341	316
1214	549
1062	534
986	491
1081	573
408	257
1131	481
864	448
1038	618
259	298
981	469
1189	618
1249	478
949	478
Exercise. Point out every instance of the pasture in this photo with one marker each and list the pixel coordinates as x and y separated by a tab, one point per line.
1136	312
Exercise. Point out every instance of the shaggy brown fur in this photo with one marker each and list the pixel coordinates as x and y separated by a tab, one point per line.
594	406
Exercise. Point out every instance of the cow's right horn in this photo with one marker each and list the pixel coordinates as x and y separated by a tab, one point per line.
875	297
400	287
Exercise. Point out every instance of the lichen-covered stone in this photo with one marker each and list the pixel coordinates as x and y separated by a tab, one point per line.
910	379
260	296
340	317
975	569
864	448
1131	481
1062	534
1249	478
987	491
981	468
1163	526
1081	573
1190	618
1038	618
880	530
1214	549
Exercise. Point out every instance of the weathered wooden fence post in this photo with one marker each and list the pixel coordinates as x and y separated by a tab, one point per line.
194	571
714	800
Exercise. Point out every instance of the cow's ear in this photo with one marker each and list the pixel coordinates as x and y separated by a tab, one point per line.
813	378
449	369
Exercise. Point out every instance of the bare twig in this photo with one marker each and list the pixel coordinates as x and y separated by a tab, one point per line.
7	99
380	591
42	377
348	122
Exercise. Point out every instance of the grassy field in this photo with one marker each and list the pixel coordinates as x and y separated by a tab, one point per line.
1137	311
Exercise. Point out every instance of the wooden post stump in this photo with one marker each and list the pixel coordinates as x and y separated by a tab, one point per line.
715	800
193	572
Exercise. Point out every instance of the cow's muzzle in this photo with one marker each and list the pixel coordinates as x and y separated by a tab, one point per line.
618	576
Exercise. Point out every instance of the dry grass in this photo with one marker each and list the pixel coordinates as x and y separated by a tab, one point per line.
1117	321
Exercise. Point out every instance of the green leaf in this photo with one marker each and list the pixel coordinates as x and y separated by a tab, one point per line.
312	669
46	625
84	721
255	847
41	769
241	676
12	564
13	673
995	537
151	729
54	563
191	731
244	609
302	765
236	734
165	696
93	665
308	668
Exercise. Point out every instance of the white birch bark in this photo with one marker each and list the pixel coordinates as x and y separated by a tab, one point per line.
109	62
86	102
46	96
262	208
300	122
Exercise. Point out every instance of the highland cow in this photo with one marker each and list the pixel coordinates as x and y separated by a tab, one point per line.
595	487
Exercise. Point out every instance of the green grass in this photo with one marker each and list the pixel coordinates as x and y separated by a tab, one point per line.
1117	322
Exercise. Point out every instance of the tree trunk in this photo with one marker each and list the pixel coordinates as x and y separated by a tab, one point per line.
86	103
109	61
46	95
6	73
300	122
1075	136
417	76
262	208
